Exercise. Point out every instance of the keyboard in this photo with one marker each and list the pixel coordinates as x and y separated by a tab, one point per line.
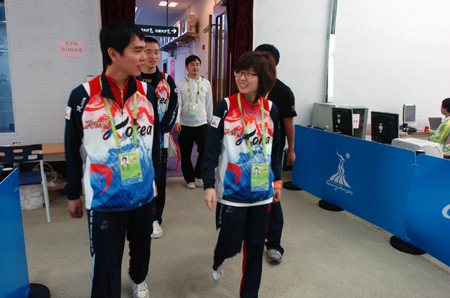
418	133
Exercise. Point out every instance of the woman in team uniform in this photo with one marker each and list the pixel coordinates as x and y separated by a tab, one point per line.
243	137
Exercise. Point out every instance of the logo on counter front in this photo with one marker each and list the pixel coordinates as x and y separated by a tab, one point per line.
445	211
337	181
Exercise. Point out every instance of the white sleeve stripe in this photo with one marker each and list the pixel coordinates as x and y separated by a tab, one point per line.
145	88
87	87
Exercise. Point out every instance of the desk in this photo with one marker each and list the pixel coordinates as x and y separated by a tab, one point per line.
53	151
419	135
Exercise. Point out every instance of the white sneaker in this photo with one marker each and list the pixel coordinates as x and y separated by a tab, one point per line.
217	274
140	290
190	185
157	230
200	180
274	256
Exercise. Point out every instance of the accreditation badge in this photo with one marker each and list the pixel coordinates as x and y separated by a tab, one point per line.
260	177
130	167
193	108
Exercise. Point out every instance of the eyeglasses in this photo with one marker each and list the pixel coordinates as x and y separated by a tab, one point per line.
248	74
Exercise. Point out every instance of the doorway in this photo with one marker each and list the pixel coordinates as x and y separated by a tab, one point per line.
221	72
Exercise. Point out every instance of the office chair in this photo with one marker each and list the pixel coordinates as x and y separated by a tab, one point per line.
28	153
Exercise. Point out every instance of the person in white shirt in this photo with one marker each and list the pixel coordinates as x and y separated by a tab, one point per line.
195	109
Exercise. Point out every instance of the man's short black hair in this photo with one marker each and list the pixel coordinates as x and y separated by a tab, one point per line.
151	39
446	104
270	49
117	35
192	58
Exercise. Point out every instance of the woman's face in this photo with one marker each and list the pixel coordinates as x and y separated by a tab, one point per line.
247	86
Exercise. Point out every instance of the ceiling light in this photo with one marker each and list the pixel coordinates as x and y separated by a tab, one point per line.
173	4
163	3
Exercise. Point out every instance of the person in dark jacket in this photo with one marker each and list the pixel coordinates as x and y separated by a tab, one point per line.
166	94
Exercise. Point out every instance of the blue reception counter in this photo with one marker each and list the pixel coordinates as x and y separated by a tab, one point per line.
385	185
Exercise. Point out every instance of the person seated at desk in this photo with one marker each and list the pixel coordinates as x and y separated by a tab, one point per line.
440	135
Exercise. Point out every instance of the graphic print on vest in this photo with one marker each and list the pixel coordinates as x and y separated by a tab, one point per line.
102	152
237	180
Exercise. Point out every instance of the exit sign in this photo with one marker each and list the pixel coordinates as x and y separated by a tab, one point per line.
159	30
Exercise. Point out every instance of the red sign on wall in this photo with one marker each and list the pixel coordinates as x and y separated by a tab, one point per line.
172	68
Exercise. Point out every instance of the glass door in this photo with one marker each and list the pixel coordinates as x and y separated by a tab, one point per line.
221	56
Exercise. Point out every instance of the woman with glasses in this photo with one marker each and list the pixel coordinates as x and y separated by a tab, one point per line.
244	136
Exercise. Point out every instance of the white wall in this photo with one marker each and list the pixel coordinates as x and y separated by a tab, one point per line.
388	53
298	29
41	81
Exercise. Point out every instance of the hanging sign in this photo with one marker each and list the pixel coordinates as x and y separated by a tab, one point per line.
159	30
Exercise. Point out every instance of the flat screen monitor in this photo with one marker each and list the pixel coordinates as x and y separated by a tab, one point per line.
384	127
409	113
343	121
409	116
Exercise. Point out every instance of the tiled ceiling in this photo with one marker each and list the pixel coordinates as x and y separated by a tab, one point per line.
150	13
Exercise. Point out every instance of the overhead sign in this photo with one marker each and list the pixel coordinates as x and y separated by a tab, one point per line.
159	30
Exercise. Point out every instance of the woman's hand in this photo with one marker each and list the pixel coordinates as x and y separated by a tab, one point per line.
276	195
210	198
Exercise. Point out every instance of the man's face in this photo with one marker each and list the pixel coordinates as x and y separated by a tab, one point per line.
194	68
133	57
152	53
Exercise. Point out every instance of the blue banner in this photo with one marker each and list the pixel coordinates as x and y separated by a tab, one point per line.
427	214
14	280
360	176
379	183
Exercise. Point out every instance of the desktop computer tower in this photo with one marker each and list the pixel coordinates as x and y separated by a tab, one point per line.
323	116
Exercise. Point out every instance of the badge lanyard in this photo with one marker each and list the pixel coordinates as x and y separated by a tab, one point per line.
262	126
129	162
259	175
113	127
193	107
198	89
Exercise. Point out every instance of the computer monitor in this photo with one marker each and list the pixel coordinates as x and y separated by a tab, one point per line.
343	121
409	116
434	122
384	127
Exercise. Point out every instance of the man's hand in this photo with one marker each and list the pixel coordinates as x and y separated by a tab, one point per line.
276	195
210	198
178	128
290	157
75	208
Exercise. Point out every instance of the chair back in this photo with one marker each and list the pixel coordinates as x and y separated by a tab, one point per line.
20	153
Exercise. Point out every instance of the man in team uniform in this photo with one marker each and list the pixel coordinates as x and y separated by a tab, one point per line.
282	96
110	119
167	109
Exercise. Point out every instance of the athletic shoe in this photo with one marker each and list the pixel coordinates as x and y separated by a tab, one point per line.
190	185
217	274
140	290
200	180
274	256
157	230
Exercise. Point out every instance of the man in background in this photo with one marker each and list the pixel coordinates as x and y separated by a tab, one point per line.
282	96
167	109
194	114
440	135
